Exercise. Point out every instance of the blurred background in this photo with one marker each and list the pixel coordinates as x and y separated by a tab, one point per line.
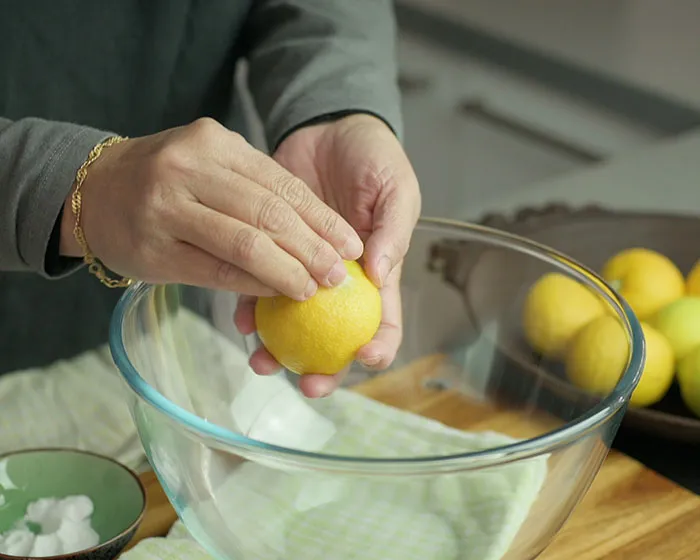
501	95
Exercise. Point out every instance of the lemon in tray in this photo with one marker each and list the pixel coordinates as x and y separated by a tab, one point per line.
679	322
648	280
598	355
689	380
692	282
322	334
555	309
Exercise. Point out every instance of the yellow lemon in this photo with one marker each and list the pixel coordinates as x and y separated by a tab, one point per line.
602	286
646	279
689	380
679	322
692	282
599	353
323	333
555	308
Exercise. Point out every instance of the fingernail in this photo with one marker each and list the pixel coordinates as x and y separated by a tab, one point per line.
372	361
353	248
337	274
311	289
383	269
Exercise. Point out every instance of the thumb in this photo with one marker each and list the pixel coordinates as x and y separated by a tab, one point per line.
395	217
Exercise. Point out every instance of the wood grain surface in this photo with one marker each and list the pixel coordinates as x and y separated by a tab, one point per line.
159	516
629	512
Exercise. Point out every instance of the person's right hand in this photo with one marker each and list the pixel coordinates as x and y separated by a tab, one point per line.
199	205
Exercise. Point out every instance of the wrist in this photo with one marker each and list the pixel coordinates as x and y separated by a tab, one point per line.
335	117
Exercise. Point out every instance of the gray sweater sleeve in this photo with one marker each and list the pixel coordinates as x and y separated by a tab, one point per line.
308	58
38	162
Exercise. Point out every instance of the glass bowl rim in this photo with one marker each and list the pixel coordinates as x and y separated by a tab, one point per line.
543	444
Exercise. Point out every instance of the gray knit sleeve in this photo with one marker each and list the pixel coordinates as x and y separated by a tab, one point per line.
309	58
38	162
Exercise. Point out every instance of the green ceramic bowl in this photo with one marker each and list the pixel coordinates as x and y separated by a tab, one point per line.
116	492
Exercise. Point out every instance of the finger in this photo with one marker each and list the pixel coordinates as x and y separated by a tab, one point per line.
244	247
327	223
262	362
254	205
311	385
380	352
316	386
244	316
194	267
395	217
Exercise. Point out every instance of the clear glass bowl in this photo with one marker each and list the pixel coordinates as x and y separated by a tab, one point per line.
459	451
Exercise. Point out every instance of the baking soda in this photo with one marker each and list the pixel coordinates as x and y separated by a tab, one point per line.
61	526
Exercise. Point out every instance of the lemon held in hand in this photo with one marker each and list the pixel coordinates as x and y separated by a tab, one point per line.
599	353
323	333
646	279
555	309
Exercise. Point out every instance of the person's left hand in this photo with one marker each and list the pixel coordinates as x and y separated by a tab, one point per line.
358	167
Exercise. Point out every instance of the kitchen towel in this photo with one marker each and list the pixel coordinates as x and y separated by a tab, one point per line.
74	403
267	513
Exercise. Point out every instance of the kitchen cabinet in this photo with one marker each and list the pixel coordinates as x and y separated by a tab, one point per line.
474	132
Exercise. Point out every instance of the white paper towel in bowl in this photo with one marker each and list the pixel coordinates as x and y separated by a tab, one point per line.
263	512
273	514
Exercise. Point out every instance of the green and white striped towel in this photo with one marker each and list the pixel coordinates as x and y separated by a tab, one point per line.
74	403
276	515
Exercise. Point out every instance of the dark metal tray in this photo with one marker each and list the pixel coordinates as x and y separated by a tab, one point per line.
590	235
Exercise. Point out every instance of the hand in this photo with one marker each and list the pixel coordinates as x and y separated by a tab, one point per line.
358	167
198	205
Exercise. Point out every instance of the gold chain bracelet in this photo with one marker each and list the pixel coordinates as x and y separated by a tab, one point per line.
94	265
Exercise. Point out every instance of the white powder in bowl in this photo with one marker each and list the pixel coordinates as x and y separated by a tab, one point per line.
50	527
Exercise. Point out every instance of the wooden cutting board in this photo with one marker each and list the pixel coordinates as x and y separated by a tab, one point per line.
630	512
